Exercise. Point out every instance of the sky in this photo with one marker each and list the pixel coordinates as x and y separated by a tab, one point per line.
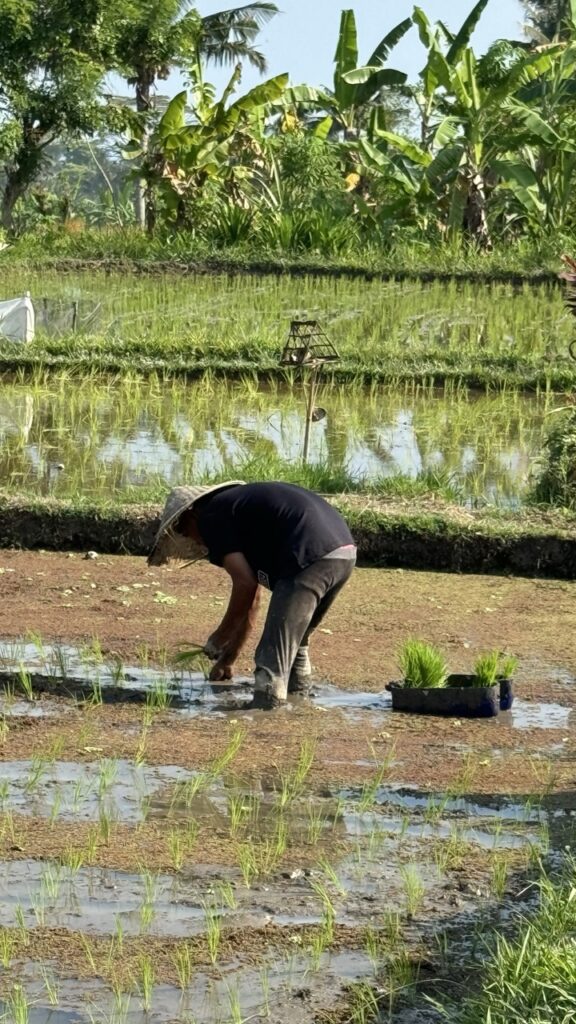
302	39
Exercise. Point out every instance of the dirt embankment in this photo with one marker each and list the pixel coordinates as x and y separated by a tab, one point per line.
425	535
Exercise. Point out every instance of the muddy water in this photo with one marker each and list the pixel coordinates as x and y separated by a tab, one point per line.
71	790
398	822
97	901
386	851
291	987
527	715
124	792
67	671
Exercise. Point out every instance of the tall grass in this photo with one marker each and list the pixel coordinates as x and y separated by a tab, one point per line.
324	241
531	979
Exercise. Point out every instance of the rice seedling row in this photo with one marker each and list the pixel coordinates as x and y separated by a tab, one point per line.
495	332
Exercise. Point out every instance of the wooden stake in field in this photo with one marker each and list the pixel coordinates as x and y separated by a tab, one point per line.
310	348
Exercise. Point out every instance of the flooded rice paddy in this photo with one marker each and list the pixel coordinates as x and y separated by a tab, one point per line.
149	872
144	891
61	670
65	438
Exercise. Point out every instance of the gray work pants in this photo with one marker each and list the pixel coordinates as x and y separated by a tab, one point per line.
297	606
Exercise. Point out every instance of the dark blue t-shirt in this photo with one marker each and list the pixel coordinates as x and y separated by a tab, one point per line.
279	528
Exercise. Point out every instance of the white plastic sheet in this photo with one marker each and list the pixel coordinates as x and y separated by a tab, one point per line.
17	321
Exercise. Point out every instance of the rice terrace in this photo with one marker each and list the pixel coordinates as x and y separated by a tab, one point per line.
285	361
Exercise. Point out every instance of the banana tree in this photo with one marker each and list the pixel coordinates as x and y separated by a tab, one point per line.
539	173
157	36
550	169
223	143
437	39
471	126
356	86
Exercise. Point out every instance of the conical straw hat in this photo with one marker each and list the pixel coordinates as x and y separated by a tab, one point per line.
169	544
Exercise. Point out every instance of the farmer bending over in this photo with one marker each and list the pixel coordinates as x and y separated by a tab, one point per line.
281	536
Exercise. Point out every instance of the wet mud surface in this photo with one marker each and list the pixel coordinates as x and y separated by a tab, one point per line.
169	854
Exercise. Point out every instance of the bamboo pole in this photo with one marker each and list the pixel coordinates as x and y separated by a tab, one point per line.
310	406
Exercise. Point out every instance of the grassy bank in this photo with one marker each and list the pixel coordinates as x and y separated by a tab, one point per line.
427	535
184	252
433	369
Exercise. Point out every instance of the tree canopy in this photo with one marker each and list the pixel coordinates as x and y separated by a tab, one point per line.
53	57
480	146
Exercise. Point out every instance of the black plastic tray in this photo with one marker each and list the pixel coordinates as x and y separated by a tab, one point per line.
459	698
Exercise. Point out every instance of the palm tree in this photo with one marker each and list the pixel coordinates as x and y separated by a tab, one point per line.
229	36
160	35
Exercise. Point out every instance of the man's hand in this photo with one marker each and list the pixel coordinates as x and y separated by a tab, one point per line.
221	670
213	647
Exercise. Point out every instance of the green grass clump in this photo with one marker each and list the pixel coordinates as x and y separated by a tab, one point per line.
422	665
531	978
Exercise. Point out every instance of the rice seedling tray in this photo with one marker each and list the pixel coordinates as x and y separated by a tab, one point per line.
459	698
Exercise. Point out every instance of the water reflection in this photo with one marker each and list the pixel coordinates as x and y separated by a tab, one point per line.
66	437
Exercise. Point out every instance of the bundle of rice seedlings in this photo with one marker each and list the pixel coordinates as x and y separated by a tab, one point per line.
422	665
491	667
487	669
507	666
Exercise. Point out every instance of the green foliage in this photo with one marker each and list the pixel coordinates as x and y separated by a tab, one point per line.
422	665
557	484
507	667
356	87
492	666
82	183
227	37
532	976
548	19
152	37
310	173
220	145
291	169
473	134
52	61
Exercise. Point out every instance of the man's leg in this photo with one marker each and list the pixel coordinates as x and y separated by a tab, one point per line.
301	671
296	606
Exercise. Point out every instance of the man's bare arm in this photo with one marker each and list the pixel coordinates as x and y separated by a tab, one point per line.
231	635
